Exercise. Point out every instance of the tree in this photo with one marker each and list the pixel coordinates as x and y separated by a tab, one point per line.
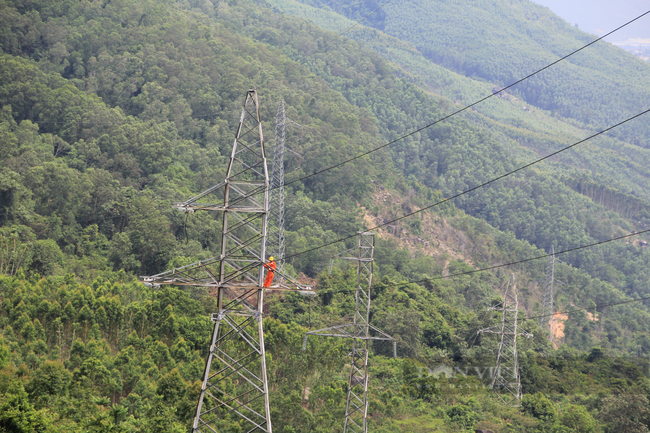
626	413
47	257
540	407
4	354
578	419
171	386
50	379
119	253
159	417
17	414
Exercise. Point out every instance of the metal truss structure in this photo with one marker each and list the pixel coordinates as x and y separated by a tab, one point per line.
275	240
506	382
547	306
356	408
235	387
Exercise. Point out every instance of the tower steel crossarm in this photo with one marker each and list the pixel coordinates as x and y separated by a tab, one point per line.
235	386
356	407
547	306
506	381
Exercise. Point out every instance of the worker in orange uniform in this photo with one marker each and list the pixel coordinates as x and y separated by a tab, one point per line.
270	273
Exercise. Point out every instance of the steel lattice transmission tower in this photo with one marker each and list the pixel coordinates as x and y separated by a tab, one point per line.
235	386
547	307
356	407
275	240
506	383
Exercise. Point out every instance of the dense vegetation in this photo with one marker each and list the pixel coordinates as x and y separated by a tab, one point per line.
538	206
519	125
112	356
110	111
503	41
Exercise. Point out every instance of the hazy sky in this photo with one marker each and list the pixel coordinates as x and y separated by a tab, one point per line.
602	16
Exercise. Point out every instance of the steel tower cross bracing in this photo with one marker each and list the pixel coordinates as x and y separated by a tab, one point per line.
356	408
275	244
506	381
235	386
547	306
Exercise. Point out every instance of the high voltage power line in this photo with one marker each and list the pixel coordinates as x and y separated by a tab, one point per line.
575	310
476	187
490	181
361	155
567	312
595	307
441	120
485	183
417	130
543	256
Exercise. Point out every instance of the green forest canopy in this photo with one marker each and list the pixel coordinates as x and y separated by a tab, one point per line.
111	111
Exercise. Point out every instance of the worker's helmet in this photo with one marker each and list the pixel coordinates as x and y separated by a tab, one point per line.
271	259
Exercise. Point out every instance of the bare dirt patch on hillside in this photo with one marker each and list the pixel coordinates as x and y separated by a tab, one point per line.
431	235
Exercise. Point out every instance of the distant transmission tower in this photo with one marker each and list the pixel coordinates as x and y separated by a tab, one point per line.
506	383
235	386
275	240
356	407
547	308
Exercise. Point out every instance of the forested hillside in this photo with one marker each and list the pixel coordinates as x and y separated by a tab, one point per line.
539	206
113	110
521	126
503	41
452	158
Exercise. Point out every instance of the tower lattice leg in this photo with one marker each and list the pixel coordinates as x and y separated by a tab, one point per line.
356	405
235	386
506	381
